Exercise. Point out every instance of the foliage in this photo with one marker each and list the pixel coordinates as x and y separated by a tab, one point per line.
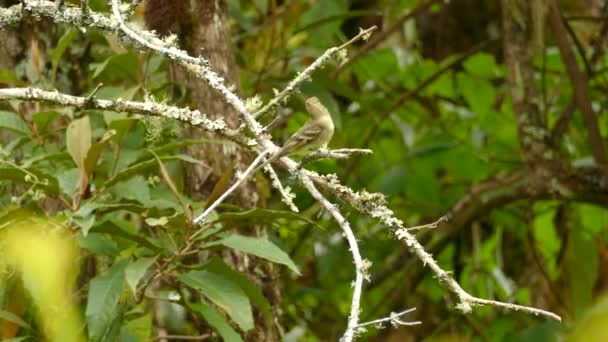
114	181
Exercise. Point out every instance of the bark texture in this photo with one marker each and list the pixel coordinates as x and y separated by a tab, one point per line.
203	28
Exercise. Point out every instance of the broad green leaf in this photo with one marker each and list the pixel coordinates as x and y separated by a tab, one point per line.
62	45
78	140
378	64
141	167
223	293
40	157
592	326
13	122
85	223
90	207
136	270
137	330
260	214
103	296
117	228
478	93
46	182
580	279
10	78
217	322
42	120
547	240
261	247
99	244
90	162
594	218
218	266
122	127
122	67
180	144
541	331
394	180
321	10
11	317
68	181
481	64
135	188
115	93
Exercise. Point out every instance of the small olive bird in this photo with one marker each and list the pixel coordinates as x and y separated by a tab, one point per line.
314	134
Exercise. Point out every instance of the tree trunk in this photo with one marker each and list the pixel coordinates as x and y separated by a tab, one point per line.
203	28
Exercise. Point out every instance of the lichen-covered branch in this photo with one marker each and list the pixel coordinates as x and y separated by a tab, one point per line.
306	74
193	117
368	203
361	266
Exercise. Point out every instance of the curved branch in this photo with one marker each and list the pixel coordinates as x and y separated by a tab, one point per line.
579	85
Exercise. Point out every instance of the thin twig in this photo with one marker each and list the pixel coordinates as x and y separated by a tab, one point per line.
286	195
227	193
89	99
182	337
579	85
432	225
305	75
342	153
360	265
193	117
369	204
393	319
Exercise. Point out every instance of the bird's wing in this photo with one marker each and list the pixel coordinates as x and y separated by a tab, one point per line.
307	133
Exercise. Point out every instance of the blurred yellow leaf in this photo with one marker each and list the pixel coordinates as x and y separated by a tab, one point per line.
45	255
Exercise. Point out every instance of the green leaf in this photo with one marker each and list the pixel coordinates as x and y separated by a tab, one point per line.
223	293
321	10
42	120
180	144
10	78
218	266
99	244
479	94
135	188
103	296
17	339
11	317
90	162
122	127
580	283
141	167
68	181
118	228
261	247
217	322
53	156
547	240
62	45
121	67
260	215
481	64
137	330
47	182
136	270
593	218
394	180
78	140
592	326
13	122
